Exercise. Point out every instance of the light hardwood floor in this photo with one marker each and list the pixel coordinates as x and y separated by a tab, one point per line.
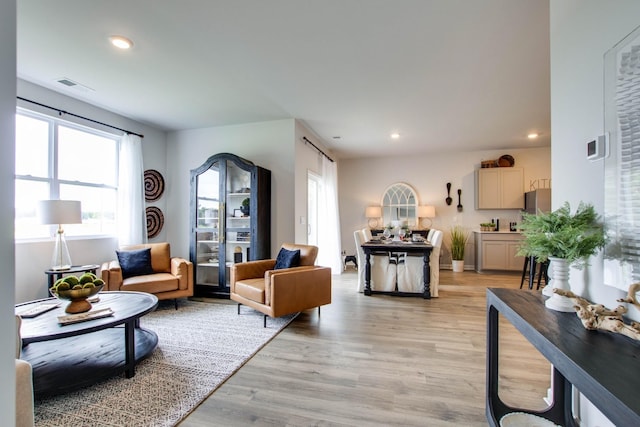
382	360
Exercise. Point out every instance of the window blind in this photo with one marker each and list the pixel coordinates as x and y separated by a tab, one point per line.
622	169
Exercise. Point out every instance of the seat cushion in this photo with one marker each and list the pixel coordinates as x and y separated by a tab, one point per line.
151	283
251	289
135	262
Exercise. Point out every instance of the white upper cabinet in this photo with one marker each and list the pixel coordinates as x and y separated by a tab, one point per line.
500	188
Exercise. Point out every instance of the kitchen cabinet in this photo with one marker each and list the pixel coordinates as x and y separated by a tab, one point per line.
230	214
497	251
500	188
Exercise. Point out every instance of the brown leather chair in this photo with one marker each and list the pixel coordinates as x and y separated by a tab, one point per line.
171	277
284	291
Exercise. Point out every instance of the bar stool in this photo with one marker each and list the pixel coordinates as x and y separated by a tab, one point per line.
529	269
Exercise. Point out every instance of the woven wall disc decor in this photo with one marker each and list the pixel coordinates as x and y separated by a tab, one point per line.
155	221
153	185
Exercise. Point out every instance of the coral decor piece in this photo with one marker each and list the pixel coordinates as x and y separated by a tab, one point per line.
631	295
599	317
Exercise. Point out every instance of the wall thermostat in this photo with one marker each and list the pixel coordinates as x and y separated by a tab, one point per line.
598	148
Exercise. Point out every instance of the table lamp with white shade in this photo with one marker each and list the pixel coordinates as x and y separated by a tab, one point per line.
426	212
60	212
373	213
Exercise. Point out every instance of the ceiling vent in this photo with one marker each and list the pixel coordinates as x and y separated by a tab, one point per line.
74	85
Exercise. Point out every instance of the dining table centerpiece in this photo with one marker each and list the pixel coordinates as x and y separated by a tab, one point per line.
565	239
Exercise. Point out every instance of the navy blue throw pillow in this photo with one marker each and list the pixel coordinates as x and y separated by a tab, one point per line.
135	263
287	259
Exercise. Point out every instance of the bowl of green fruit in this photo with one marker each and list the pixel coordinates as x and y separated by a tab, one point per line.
77	290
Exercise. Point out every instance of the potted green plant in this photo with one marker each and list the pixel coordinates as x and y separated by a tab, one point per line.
244	206
565	239
459	237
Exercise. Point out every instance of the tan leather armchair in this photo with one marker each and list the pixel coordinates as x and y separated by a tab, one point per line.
171	277
280	292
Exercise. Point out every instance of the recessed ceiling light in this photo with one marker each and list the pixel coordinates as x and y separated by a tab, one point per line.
395	135
533	135
121	42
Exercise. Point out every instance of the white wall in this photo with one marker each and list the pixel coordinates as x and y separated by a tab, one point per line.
7	170
267	144
577	106
581	32
32	258
363	181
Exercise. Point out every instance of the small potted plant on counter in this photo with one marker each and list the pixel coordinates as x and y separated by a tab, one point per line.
459	237
487	226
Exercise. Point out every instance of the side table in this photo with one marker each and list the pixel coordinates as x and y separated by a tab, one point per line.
53	275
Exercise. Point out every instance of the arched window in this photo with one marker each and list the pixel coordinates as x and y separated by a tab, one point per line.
400	205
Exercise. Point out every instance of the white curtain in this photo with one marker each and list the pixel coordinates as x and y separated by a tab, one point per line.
132	222
329	219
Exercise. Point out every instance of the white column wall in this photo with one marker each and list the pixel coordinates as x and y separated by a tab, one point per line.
581	32
7	170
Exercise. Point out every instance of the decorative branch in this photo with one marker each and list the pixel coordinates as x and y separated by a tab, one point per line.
631	295
599	317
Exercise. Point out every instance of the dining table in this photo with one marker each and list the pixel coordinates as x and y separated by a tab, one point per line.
389	246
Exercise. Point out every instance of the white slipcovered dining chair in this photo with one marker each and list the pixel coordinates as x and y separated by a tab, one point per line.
410	270
383	273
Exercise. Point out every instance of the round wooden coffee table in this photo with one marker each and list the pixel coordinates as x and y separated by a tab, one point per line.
68	357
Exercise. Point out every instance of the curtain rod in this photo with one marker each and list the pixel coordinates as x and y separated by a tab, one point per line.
319	150
61	112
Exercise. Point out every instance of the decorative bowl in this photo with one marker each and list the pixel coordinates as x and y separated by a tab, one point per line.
78	298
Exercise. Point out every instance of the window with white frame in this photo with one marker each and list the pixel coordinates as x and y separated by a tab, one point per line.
56	159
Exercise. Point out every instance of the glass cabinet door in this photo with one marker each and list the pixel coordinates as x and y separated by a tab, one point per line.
208	225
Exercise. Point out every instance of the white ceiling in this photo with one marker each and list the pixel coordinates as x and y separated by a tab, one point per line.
448	75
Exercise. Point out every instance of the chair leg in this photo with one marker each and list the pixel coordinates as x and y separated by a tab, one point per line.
175	301
544	266
524	270
318	311
239	309
265	321
532	271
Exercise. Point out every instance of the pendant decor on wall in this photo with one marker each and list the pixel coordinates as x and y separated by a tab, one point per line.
153	185
155	221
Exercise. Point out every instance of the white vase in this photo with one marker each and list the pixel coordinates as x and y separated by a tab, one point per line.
458	265
559	280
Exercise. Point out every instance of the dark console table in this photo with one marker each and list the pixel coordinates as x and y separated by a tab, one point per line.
603	366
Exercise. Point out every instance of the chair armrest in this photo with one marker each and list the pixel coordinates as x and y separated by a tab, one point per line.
298	288
24	394
111	273
183	270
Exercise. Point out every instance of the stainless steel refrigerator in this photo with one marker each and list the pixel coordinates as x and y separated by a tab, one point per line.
537	200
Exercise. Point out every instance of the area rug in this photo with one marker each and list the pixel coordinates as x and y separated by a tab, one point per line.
200	345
